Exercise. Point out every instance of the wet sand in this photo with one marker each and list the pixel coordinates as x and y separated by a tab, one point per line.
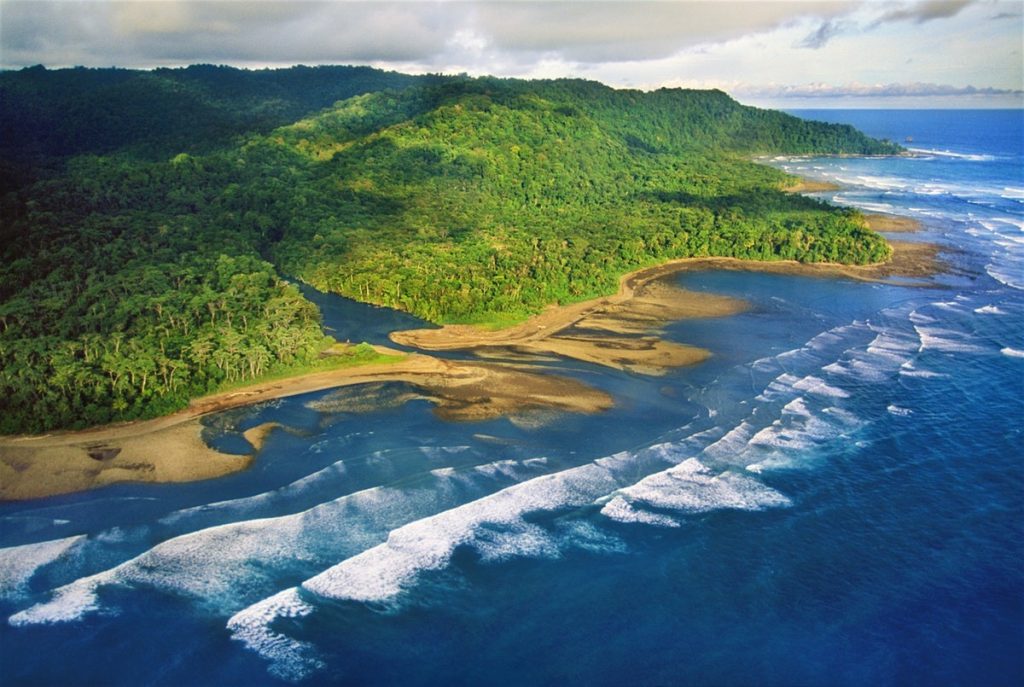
481	391
145	452
616	331
171	448
619	331
892	224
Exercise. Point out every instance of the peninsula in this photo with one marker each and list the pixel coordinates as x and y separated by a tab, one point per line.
142	265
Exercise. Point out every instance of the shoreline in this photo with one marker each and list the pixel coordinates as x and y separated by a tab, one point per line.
642	305
892	224
171	448
617	331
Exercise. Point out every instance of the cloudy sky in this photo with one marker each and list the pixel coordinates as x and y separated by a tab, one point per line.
791	53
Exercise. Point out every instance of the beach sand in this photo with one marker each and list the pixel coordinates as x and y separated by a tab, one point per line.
171	448
892	224
142	452
617	331
614	331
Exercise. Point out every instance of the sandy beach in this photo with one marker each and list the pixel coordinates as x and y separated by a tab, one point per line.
892	224
171	448
620	329
617	331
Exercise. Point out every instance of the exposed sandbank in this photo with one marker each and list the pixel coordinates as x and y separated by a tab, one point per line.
477	391
144	452
892	224
613	331
171	448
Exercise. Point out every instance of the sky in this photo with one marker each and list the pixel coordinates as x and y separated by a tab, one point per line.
786	53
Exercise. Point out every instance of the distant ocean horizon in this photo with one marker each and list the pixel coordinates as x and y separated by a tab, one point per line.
836	497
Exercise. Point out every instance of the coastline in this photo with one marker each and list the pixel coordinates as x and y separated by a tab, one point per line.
171	448
892	224
617	331
642	305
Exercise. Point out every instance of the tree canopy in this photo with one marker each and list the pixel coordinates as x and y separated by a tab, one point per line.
148	216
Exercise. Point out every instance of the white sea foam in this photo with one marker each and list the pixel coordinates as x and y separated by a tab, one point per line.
692	487
1008	275
1012	352
923	374
443	472
380	573
496	527
990	310
237	508
732	443
290	659
517	541
816	385
18	564
971	157
223	567
778	387
946	340
899	410
621	510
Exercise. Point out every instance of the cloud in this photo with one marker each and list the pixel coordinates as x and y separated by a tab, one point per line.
149	33
917	12
858	90
822	35
613	31
922	12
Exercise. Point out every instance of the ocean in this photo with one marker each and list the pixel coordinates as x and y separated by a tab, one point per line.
836	497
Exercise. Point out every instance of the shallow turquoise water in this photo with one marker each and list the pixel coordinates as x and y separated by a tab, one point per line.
835	498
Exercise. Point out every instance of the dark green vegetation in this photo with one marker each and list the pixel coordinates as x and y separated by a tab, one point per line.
147	216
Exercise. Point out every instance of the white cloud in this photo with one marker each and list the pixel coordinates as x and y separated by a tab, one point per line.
873	15
621	42
858	90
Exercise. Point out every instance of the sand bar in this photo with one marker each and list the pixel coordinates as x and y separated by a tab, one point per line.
613	331
642	305
171	448
892	224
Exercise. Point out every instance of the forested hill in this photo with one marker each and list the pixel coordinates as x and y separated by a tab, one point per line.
144	238
48	115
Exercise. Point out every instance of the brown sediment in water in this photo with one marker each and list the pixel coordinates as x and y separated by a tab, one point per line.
33	467
614	331
892	224
171	448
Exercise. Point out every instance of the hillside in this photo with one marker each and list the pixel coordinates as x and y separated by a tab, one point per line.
143	268
47	116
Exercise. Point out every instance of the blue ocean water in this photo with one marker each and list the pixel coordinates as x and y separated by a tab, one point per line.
835	498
